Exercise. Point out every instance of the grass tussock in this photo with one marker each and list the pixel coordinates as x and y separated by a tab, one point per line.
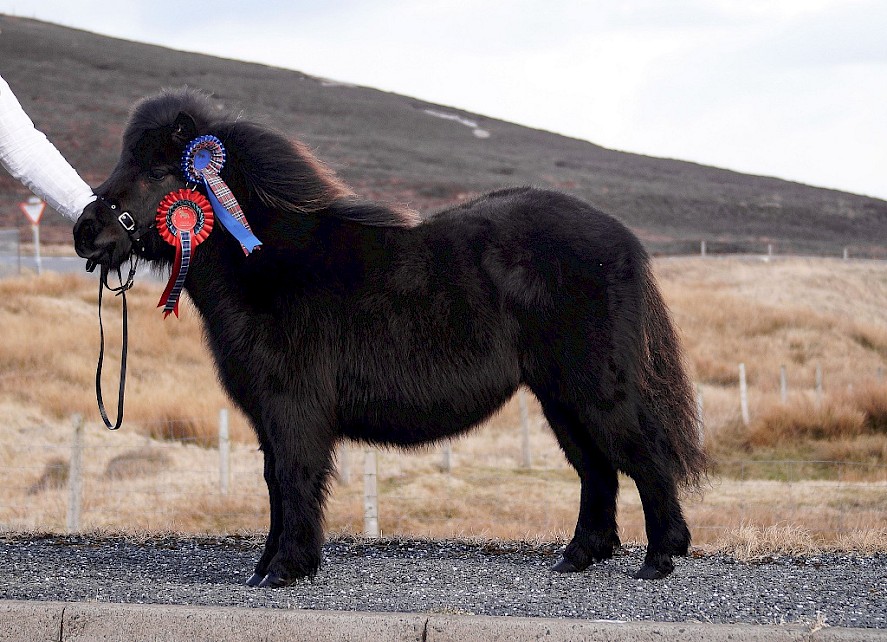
141	462
54	477
871	400
804	419
750	542
870	337
200	430
845	427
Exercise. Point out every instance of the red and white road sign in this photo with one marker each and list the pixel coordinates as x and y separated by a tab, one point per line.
33	209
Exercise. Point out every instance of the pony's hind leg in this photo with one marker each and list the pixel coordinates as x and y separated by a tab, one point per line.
667	532
596	537
646	462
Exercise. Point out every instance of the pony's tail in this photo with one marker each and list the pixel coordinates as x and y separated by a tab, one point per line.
666	390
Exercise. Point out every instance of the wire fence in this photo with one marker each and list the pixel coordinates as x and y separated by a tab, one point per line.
89	478
775	248
11	251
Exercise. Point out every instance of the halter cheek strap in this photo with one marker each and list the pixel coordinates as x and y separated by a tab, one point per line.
129	225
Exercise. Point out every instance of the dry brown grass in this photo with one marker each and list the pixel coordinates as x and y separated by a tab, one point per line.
55	475
798	313
142	462
49	348
844	427
477	500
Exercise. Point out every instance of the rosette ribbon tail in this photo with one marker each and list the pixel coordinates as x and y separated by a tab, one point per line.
170	297
237	226
184	220
203	160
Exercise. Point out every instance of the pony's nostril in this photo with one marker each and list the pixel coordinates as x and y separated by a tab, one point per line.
85	234
84	237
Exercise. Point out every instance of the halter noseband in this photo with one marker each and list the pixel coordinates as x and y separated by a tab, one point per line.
129	225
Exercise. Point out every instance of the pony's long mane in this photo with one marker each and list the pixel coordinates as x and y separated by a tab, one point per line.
282	174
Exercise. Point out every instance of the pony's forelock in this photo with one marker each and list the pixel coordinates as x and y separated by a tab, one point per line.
161	110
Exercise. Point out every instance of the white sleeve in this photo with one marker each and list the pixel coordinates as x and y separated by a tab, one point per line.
27	154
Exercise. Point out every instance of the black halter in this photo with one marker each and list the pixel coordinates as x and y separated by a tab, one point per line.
128	223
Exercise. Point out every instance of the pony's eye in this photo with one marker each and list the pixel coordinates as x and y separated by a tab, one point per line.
158	173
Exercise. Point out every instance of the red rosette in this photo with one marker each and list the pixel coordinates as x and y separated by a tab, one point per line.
184	219
184	209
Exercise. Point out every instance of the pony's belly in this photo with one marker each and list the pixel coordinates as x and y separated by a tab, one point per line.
409	416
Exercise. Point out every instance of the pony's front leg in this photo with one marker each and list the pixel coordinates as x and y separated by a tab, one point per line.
302	442
276	527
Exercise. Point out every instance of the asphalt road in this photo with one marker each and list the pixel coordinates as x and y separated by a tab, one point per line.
11	265
449	577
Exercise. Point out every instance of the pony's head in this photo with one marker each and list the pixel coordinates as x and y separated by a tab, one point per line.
278	183
123	217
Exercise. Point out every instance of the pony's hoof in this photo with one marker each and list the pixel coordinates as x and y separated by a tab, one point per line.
566	566
255	580
275	581
656	566
648	572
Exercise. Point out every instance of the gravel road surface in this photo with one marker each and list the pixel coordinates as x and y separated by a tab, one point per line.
449	577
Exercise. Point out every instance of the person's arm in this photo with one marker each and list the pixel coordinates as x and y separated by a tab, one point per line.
27	154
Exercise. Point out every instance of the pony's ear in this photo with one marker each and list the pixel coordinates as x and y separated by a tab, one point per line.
184	130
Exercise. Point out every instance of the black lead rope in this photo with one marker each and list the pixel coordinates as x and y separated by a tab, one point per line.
119	291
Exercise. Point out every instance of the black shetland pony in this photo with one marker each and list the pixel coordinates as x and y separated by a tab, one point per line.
359	321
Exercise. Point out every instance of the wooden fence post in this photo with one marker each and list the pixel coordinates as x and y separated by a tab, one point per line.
224	452
370	495
526	458
783	385
743	395
446	456
702	248
75	476
343	464
700	414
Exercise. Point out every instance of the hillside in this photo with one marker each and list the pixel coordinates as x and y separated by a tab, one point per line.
78	87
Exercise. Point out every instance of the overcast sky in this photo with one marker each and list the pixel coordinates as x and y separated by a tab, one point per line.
790	88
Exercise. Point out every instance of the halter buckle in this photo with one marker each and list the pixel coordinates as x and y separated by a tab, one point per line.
127	221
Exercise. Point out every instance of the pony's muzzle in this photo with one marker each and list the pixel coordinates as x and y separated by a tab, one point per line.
86	230
98	238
